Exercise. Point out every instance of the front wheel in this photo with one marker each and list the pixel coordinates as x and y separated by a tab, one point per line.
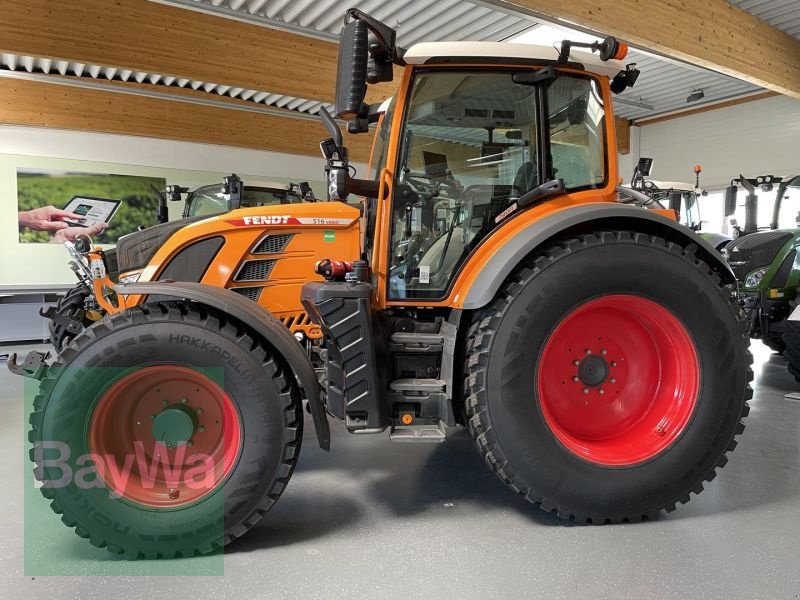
69	306
167	430
608	378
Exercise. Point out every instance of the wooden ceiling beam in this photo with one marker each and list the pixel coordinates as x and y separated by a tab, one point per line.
42	104
156	38
709	33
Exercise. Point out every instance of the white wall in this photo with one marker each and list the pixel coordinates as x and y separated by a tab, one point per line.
755	138
183	163
150	152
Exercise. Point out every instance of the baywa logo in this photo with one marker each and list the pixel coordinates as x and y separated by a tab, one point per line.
171	469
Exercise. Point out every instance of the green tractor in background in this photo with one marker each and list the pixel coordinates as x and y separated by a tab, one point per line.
763	255
680	197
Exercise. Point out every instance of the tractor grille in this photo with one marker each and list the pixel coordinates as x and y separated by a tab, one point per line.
251	293
255	270
272	244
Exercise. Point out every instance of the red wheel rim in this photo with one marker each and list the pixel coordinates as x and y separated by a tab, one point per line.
618	380
164	436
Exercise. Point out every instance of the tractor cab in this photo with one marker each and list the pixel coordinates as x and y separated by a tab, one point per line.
479	134
679	196
769	204
214	199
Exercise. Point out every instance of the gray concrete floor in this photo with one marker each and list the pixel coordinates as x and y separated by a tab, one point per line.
380	520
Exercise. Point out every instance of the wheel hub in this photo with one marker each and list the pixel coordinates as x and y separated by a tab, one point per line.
593	370
618	380
174	425
166	422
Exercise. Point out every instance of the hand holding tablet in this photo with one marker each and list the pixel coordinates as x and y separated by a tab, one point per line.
87	211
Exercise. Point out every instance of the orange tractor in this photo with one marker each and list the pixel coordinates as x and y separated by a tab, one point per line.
491	280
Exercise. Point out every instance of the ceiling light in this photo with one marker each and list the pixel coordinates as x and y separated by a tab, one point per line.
696	96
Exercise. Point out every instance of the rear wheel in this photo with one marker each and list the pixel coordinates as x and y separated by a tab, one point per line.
165	431
608	378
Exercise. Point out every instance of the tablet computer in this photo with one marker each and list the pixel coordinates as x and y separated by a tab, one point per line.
91	210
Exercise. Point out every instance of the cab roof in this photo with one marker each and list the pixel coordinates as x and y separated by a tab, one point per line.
678	186
438	52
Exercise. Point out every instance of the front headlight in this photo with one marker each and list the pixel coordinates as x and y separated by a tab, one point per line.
130	277
754	278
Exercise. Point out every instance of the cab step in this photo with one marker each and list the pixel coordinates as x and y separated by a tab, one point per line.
417	342
430	433
422	386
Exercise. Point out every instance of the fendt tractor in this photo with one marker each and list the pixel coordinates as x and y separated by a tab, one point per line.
764	255
680	197
491	280
78	308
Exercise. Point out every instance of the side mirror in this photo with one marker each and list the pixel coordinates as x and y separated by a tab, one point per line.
351	78
367	53
730	200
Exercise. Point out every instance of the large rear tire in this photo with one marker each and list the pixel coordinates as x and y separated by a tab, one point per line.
609	377
170	383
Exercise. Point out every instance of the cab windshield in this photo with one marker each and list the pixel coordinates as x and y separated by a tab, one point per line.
469	151
788	216
209	199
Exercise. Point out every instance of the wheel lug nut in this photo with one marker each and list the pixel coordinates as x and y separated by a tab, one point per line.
173	494
199	411
164	402
575	379
184	400
576	362
585	390
603	351
168	444
601	391
613	380
613	363
201	429
189	443
588	352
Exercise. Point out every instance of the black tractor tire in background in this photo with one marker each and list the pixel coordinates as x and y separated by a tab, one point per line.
791	339
254	384
508	415
72	302
775	343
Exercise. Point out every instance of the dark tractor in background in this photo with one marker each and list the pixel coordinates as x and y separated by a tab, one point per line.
763	255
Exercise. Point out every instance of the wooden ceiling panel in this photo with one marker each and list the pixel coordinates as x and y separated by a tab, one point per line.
67	107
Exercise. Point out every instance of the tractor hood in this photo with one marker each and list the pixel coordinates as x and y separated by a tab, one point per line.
136	249
755	250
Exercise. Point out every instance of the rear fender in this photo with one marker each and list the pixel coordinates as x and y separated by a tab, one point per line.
254	316
583	218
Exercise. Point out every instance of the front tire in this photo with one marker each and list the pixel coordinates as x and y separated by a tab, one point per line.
608	379
169	387
71	303
791	340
